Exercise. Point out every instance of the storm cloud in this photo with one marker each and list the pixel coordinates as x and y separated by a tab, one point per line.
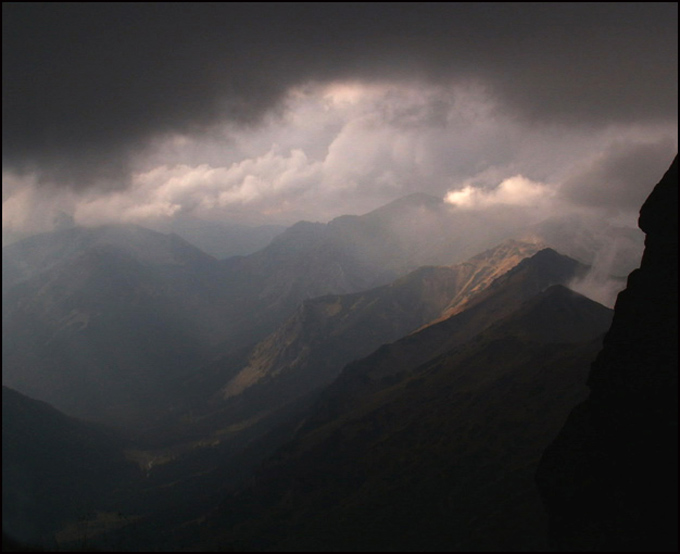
88	87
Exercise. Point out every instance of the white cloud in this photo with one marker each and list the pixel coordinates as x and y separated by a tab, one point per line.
599	283
28	208
252	184
513	191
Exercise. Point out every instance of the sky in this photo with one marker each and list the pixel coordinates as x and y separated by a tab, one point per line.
261	113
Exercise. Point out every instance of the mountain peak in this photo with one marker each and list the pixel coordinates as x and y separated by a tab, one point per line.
558	314
549	262
410	201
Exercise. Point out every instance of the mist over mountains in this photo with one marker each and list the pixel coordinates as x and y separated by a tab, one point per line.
356	385
339	276
173	309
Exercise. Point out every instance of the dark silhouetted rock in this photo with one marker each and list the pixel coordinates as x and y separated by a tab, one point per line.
610	479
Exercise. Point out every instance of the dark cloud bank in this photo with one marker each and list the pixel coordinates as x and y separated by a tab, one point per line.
86	86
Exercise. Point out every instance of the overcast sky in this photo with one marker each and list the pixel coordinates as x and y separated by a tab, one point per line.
271	113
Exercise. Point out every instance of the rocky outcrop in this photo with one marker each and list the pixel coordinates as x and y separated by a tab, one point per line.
610	479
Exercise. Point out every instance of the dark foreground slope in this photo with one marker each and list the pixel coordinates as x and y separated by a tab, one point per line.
440	457
610	479
55	469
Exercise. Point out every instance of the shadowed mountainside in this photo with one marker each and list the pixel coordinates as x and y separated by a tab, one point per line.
54	468
310	348
100	322
441	456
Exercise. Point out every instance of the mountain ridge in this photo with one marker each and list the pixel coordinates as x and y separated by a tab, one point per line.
392	469
419	296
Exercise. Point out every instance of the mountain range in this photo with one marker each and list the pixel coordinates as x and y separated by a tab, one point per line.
109	323
309	349
394	459
356	385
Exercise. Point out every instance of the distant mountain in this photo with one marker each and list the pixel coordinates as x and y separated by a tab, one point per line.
223	240
34	255
418	230
610	479
55	469
437	457
348	255
100	322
